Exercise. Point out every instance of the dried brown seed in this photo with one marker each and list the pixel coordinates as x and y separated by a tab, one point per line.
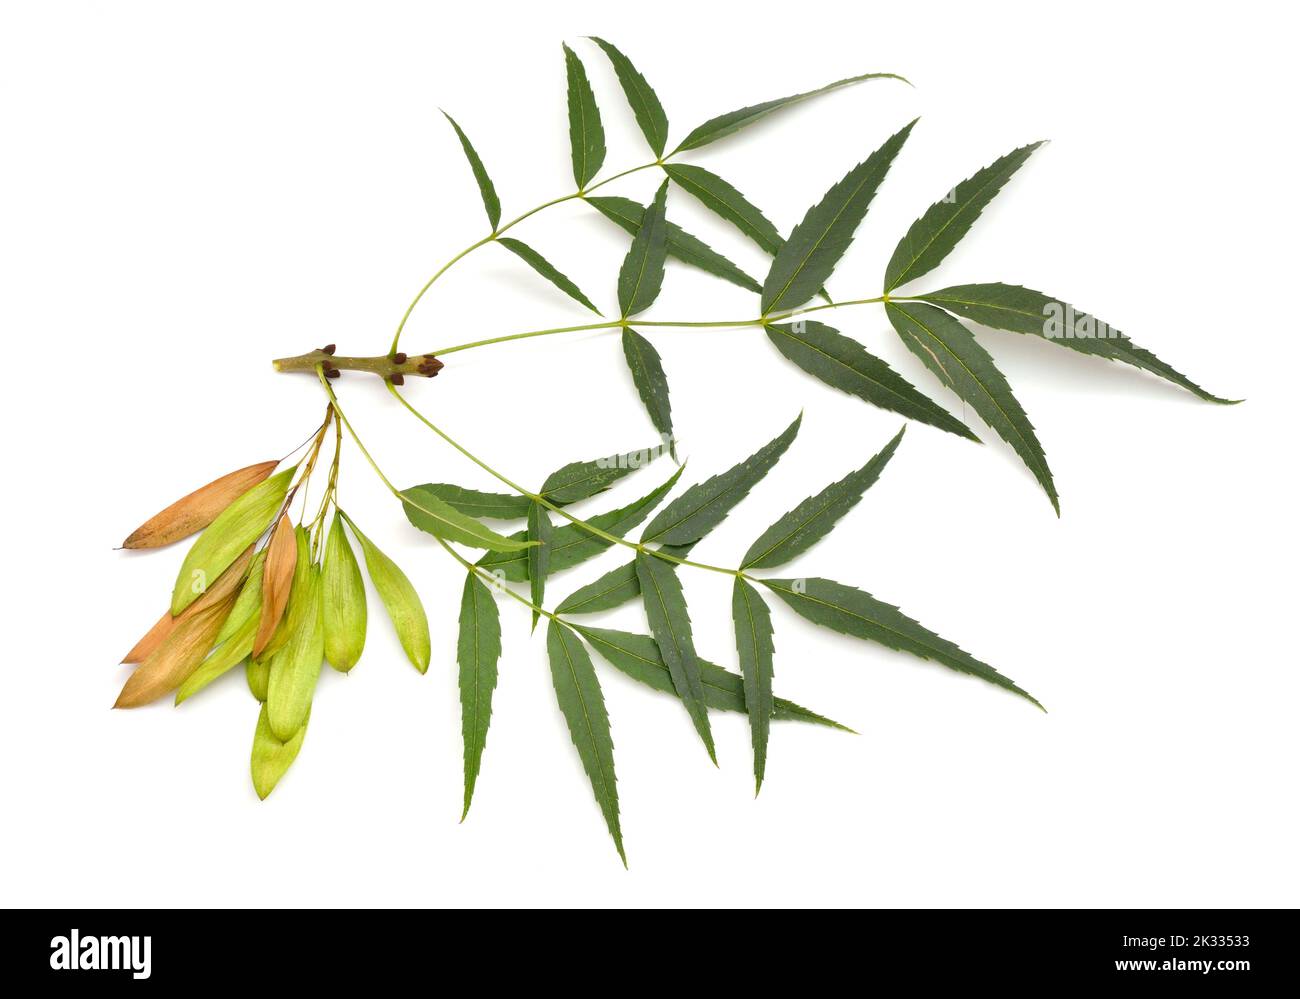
192	513
227	585
277	580
180	654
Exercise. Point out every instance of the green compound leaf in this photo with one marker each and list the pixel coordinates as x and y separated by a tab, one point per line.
725	201
648	376
680	244
586	135
539	556
581	480
638	657
819	241
491	203
478	649
754	646
733	121
1023	310
434	516
477	504
843	363
641	97
578	692
950	350
852	612
814	518
642	273
704	506
670	623
547	270
572	545
934	234
224	540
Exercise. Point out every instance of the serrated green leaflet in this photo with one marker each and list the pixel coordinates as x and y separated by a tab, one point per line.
853	612
478	648
680	244
725	124
273	756
648	376
224	540
400	600
434	516
642	273
539	556
571	545
754	647
817	243
491	203
547	270
578	692
934	234
814	518
614	588
580	480
843	363
704	506
478	504
670	623
296	667
343	598
586	136
725	201
1023	310
949	349
638	657
641	97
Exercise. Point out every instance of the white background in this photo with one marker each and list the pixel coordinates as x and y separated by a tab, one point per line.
189	191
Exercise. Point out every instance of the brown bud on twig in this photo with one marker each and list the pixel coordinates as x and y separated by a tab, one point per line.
396	378
399	358
327	349
333	373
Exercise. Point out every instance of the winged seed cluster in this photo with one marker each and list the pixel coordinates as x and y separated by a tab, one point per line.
280	600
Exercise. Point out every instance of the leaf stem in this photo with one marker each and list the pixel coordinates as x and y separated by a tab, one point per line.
493	236
536	498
